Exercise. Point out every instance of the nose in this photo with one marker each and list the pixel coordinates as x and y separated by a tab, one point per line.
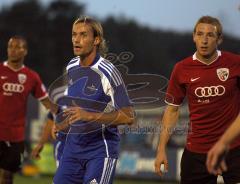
204	39
76	39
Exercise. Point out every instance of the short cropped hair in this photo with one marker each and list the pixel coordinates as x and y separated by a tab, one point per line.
23	40
212	21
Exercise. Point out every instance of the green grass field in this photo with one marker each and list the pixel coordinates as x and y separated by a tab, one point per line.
48	180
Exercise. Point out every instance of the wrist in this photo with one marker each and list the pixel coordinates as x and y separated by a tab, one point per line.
161	148
224	142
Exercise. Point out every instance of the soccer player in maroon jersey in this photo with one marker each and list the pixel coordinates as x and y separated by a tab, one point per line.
17	82
209	79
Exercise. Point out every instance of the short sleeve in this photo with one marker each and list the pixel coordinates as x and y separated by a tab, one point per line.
119	96
114	87
176	90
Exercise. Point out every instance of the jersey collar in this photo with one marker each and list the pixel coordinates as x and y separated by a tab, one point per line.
194	57
15	70
95	59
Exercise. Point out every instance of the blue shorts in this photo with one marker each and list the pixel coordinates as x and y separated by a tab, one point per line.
92	171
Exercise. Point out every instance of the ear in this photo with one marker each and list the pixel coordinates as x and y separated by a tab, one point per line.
220	39
194	39
97	41
25	52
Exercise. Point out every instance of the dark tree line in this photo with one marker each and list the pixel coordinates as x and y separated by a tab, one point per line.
48	31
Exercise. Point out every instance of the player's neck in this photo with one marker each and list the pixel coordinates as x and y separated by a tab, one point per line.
207	59
88	59
15	65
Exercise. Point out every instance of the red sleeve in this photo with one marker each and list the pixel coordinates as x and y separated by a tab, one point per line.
238	72
39	90
176	91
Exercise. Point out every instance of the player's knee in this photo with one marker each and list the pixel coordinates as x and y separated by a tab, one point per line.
6	177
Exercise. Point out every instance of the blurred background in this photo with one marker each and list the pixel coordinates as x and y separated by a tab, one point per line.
155	33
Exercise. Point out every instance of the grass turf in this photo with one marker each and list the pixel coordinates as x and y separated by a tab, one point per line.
48	180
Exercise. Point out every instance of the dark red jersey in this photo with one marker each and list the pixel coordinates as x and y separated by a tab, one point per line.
212	92
15	87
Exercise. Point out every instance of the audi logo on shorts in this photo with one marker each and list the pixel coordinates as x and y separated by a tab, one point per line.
13	87
210	91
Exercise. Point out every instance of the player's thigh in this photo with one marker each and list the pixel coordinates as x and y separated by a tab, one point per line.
193	169
11	155
70	171
100	170
232	176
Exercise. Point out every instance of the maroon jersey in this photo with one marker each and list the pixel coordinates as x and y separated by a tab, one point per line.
212	91
15	87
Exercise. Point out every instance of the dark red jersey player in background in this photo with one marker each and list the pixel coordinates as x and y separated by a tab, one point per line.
17	82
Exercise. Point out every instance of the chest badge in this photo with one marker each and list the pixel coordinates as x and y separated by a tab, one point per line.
22	78
223	73
92	88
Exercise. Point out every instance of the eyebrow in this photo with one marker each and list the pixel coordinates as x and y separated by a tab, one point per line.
82	32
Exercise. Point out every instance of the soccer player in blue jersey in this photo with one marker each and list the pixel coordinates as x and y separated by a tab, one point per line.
99	104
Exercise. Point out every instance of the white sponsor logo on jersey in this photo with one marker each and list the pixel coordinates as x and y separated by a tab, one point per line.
194	79
223	73
210	91
22	78
13	87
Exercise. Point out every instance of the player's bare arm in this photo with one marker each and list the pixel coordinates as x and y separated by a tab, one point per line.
46	134
122	116
169	121
48	104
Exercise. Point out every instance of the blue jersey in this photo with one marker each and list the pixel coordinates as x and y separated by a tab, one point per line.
96	88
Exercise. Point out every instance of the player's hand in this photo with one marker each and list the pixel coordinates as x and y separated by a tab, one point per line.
215	159
35	154
76	114
161	159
